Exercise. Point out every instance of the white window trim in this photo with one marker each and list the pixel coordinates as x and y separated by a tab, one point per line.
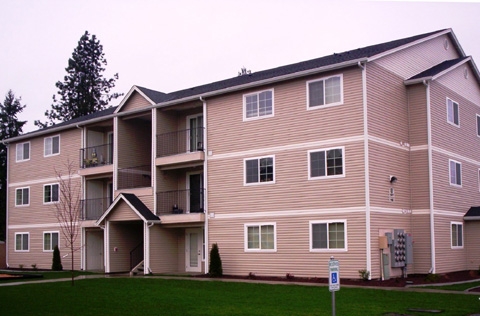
478	178
43	197
244	97
325	105
449	172
22	205
451	240
258	183
458	107
30	151
344	221
44	146
15	242
50	232
326	176
245	234
477	116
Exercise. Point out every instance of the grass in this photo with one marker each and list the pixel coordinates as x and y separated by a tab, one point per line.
155	296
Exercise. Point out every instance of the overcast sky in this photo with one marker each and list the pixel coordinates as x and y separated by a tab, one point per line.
171	45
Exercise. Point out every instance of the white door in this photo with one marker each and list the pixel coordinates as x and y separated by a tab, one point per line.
94	250
193	250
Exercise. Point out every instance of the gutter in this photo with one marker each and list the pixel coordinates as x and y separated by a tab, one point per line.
205	184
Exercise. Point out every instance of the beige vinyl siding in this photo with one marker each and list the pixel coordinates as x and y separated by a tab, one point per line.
135	101
422	255
291	124
417	115
124	236
36	255
165	251
456	81
415	59
293	250
122	212
471	230
446	258
419	184
135	143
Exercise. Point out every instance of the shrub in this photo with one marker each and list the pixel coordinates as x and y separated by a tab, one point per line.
364	274
34	266
289	276
215	268
432	277
56	261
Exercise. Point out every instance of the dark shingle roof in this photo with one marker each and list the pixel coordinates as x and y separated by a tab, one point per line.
472	214
140	207
155	96
438	68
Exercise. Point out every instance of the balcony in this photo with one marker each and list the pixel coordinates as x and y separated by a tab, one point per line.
183	206
134	177
178	147
92	209
96	156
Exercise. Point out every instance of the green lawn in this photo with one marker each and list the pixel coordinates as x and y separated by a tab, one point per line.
155	296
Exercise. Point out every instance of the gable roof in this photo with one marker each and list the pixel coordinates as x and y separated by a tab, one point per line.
473	214
135	204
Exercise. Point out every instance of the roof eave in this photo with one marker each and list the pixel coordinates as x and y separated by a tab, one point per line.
133	89
416	81
471	218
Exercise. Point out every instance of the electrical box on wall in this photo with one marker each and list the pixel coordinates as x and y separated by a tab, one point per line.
409	248
398	248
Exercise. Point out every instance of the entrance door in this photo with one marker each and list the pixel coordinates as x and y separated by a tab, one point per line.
195	186
195	125
94	250
193	250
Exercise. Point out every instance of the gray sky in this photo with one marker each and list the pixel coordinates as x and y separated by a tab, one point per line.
171	45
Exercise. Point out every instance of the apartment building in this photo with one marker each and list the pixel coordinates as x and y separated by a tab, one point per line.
369	155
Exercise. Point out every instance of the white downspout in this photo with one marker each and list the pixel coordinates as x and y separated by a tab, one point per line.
7	244
205	183
430	178
367	170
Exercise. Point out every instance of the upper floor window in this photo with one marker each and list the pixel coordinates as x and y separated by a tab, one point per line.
23	151
478	125
22	241
259	170
260	237
258	105
325	91
50	193
52	145
455	173
457	235
50	240
328	235
326	163
22	196
453	112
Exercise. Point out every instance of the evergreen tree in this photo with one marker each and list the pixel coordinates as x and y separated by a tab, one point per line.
56	261
10	126
84	90
215	269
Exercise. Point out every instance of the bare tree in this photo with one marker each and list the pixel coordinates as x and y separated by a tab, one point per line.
67	210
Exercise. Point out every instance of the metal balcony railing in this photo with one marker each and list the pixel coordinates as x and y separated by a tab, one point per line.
135	177
180	202
178	142
93	209
96	156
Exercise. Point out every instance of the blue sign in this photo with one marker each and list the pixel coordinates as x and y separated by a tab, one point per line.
334	275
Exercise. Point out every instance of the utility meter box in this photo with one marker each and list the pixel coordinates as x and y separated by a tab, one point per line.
398	249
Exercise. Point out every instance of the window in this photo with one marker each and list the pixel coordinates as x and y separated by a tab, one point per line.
452	112
257	105
457	235
23	151
455	173
260	237
22	196
52	145
22	241
326	163
259	170
50	193
50	240
328	235
325	91
478	125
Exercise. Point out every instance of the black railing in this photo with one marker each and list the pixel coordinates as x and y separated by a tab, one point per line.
135	177
178	142
93	209
180	202
136	256
96	156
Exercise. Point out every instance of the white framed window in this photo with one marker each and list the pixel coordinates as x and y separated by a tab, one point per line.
328	235
478	125
52	145
261	237
453	114
259	170
258	105
478	177
456	234
326	163
23	152
22	241
22	196
50	240
455	172
50	193
326	91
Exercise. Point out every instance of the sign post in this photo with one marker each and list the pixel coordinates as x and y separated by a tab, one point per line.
333	279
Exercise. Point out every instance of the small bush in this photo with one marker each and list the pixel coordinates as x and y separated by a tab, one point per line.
56	261
364	274
289	276
215	268
251	275
432	277
34	266
20	266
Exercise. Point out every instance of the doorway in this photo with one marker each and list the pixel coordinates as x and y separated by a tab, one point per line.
193	250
